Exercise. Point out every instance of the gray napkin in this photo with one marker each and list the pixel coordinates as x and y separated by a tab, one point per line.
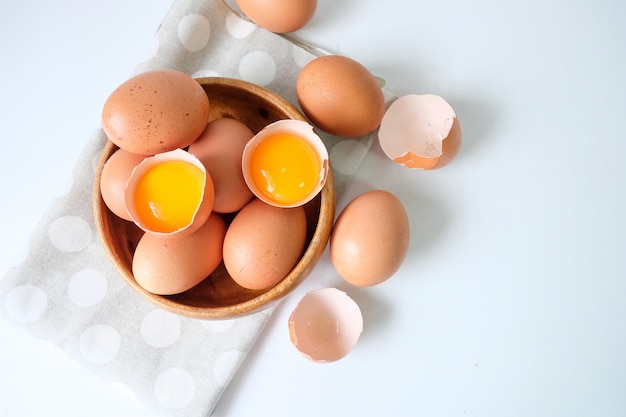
65	290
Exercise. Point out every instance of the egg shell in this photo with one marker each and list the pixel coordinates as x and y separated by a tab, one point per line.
220	149
420	131
279	16
325	325
156	111
263	244
202	210
115	174
340	96
370	238
173	265
301	130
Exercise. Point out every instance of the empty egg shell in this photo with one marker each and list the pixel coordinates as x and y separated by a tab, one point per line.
325	325
420	131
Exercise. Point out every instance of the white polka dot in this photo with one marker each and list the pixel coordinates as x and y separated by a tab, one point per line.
226	365
347	155
258	68
218	326
237	27
205	73
70	233
152	49
160	328
99	344
175	388
87	287
301	56
26	303
194	32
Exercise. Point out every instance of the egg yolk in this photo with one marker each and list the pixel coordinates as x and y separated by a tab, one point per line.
168	195
285	168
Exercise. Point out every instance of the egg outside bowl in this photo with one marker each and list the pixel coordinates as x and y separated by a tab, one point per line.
218	296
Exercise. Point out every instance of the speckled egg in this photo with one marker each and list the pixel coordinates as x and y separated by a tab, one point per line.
156	111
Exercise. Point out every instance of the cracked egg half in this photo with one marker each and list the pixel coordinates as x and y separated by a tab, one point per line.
420	131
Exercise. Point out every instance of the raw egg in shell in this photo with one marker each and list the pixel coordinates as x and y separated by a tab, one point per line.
169	193
286	163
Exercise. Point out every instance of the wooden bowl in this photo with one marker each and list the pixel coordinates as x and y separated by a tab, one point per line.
218	296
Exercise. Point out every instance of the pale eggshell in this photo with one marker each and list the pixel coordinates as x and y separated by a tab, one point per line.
263	244
220	149
340	96
325	325
115	174
173	265
420	131
279	16
203	209
156	111
370	238
299	129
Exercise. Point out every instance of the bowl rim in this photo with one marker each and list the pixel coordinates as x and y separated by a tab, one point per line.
299	272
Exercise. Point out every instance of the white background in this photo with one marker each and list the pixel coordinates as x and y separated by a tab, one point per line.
512	300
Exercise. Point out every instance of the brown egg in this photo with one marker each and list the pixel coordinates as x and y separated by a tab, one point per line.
340	96
420	131
175	264
156	111
263	244
115	174
370	238
279	16
220	149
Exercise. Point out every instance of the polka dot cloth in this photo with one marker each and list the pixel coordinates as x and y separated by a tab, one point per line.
64	290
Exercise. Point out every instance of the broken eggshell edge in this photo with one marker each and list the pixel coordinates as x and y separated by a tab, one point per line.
325	325
420	131
202	211
297	128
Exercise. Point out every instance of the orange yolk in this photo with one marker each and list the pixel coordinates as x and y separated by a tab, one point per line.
285	168
168	195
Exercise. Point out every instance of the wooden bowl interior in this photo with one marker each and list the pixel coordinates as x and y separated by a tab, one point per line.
219	296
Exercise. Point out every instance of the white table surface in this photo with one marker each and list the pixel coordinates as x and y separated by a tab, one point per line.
512	300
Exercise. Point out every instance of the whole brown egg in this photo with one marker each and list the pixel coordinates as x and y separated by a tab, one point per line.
279	16
370	238
340	96
156	111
